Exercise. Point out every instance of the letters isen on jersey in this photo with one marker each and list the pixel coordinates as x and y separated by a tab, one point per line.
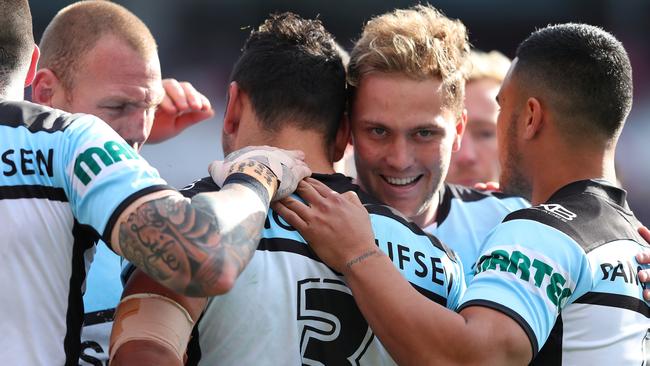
27	162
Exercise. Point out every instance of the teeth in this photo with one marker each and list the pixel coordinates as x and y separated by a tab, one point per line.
400	181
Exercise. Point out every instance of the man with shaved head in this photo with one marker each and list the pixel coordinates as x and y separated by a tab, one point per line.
99	58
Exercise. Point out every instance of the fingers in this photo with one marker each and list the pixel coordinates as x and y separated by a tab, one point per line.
167	105
487	186
645	233
351	196
301	171
320	187
309	193
294	212
643	257
184	97
176	93
644	275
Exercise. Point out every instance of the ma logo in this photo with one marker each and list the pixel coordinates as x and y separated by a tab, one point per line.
95	158
559	211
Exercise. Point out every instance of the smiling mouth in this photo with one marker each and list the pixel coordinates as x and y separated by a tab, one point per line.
401	182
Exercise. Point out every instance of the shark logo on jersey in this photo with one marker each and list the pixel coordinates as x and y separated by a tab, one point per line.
90	163
558	211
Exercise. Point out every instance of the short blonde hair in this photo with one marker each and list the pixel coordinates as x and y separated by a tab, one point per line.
488	65
76	29
419	42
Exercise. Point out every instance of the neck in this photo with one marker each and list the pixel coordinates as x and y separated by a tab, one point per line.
428	216
309	142
576	164
13	92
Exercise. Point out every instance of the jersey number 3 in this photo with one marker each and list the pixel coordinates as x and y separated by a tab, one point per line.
333	331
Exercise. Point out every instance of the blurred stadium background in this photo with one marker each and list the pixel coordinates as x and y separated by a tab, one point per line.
199	40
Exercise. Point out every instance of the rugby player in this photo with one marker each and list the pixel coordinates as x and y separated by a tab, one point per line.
94	57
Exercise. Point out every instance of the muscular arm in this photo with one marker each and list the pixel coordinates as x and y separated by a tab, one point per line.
197	247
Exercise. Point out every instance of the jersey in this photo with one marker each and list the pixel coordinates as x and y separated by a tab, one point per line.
289	308
565	271
464	218
65	179
103	293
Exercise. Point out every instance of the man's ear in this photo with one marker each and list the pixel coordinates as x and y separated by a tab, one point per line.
33	65
234	109
461	123
342	138
46	87
534	118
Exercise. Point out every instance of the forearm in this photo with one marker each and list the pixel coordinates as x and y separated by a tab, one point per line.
415	330
144	353
198	247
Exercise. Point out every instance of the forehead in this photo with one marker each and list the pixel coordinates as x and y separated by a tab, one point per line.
113	67
397	101
480	100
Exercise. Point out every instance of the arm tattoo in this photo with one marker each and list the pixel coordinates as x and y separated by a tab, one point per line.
169	235
362	257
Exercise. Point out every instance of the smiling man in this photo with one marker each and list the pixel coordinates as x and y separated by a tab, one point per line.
407	81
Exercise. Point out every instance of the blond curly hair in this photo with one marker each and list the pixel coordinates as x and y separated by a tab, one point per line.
419	42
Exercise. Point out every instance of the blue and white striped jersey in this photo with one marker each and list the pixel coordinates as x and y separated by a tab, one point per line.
65	179
465	217
565	271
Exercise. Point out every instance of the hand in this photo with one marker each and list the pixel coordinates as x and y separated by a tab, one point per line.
182	107
287	166
336	226
644	258
487	186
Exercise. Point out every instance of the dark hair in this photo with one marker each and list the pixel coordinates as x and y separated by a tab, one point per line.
292	71
16	38
588	71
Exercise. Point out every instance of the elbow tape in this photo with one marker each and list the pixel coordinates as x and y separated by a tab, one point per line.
151	317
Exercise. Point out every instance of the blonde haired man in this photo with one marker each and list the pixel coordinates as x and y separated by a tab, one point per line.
407	78
477	161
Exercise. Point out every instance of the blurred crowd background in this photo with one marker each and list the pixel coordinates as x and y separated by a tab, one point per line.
199	40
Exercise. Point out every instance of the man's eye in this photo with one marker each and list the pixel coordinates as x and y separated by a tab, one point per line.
484	134
425	133
116	108
378	131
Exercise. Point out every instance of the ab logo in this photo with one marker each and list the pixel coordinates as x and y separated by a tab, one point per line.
559	211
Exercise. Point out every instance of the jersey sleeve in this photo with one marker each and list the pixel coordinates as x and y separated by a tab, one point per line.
103	174
528	271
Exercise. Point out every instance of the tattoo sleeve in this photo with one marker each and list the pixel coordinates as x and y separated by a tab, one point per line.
184	246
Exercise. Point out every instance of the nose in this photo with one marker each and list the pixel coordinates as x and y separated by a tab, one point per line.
466	155
139	129
398	154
